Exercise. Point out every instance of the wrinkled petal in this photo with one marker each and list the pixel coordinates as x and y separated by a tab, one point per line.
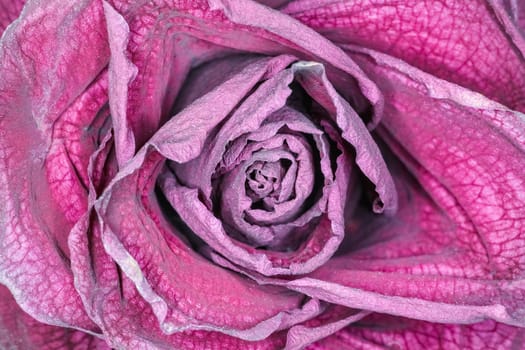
378	332
184	291
456	254
193	32
128	321
471	146
174	302
18	330
469	43
231	81
76	136
368	158
121	73
269	97
47	63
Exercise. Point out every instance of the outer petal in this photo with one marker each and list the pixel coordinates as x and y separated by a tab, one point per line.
9	11
467	152
19	331
381	331
162	292
471	146
467	42
127	320
47	62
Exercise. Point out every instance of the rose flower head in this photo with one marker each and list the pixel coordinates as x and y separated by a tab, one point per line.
239	174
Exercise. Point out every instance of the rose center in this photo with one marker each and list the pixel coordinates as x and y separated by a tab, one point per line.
269	183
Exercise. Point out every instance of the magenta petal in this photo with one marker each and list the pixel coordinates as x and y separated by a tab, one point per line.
20	331
467	43
147	68
9	11
472	146
75	138
125	317
47	63
464	252
382	331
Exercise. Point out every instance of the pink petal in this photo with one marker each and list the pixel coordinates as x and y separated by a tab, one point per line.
126	318
47	63
471	146
9	11
248	116
381	331
121	73
467	43
18	330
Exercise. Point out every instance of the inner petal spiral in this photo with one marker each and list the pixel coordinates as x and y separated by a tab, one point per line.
264	181
269	187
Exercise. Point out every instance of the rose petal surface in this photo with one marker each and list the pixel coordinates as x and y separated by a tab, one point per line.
18	330
381	331
193	32
48	62
10	10
454	251
516	9
467	43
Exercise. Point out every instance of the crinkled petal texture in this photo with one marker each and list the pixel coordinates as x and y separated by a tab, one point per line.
50	94
160	200
378	332
191	32
18	330
282	180
470	43
454	251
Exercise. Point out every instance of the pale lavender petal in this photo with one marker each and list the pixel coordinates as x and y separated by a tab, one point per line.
313	78
121	73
